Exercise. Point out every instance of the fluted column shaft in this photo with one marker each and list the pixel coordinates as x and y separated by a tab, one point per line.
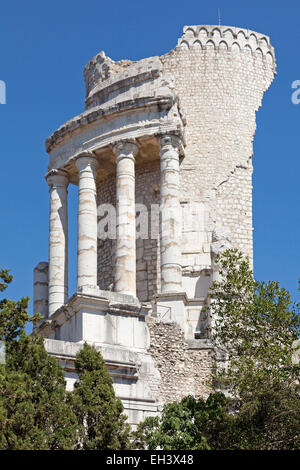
58	240
87	221
125	260
170	215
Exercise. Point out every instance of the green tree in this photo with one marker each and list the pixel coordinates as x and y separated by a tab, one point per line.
35	411
13	315
181	426
269	420
102	424
256	324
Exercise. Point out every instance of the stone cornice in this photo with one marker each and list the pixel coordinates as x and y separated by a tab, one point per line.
99	113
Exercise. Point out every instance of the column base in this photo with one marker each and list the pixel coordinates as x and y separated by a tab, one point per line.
99	316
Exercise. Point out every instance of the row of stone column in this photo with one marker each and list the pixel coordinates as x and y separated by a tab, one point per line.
125	256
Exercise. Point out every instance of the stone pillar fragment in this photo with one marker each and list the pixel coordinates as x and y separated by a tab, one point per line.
221	241
125	261
58	239
40	289
87	221
170	215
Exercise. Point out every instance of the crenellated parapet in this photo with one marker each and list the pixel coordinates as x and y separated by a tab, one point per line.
228	38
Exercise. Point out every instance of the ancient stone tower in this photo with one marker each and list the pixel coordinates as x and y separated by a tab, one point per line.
162	156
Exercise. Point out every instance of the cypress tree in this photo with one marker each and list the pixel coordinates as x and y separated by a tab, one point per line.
35	409
99	412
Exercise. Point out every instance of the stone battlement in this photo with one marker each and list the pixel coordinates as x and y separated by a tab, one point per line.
226	37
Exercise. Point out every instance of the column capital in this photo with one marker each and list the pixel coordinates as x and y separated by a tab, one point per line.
171	140
86	158
125	147
57	178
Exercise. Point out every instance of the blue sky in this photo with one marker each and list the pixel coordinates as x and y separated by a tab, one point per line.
44	48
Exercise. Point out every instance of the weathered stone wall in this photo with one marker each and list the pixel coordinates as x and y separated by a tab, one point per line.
220	89
219	76
234	208
106	194
148	251
183	371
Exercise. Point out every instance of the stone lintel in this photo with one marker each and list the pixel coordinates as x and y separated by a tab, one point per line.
196	300
114	298
66	352
143	404
199	344
69	349
118	370
173	296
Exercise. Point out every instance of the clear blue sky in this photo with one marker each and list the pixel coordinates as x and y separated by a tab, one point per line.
44	47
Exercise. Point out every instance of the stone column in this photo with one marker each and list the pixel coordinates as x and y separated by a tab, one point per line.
125	261
40	289
87	221
58	239
170	215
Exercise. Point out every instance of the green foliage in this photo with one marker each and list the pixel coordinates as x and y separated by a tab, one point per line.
102	423
13	315
256	324
36	412
50	422
35	417
6	278
268	421
182	426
